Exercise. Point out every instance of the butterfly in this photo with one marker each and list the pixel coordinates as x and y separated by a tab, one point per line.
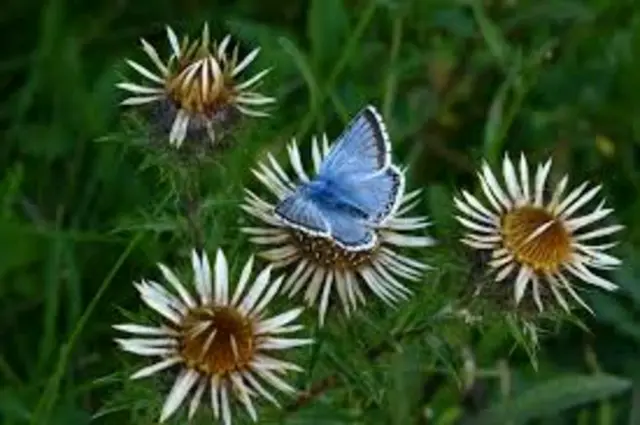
356	188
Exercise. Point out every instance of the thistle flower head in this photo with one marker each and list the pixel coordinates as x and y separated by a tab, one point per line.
319	266
221	341
538	242
198	90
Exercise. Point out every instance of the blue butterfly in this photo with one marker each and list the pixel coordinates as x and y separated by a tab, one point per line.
356	189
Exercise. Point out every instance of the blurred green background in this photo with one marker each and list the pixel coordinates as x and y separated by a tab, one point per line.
456	81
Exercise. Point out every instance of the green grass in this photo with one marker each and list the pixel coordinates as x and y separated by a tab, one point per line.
81	217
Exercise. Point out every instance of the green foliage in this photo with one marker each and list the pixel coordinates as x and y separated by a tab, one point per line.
86	207
553	396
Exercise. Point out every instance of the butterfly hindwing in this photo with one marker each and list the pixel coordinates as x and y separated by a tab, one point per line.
376	196
352	234
302	213
362	148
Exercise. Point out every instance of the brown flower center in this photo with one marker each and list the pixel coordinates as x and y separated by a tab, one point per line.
536	238
327	254
217	340
199	87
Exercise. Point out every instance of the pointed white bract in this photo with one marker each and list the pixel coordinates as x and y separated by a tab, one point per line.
319	268
545	241
224	345
199	83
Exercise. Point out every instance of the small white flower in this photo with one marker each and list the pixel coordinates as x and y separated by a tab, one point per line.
320	266
198	86
221	341
537	240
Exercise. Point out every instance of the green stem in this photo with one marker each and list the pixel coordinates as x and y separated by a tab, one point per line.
351	45
331	381
50	394
52	301
193	200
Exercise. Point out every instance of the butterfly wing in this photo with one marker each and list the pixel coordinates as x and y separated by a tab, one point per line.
315	210
362	148
377	195
348	232
301	212
356	187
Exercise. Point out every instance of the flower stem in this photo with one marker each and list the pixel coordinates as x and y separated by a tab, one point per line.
329	382
50	394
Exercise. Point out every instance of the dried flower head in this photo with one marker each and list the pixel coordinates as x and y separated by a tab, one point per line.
197	91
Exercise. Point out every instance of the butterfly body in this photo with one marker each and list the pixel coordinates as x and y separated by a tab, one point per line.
332	195
356	188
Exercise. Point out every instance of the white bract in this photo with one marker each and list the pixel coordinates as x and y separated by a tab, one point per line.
221	340
199	83
321	267
537	237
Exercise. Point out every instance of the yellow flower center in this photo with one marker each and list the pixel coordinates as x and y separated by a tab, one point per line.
326	253
217	340
196	88
536	238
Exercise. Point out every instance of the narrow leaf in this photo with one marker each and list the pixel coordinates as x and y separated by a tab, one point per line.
553	396
327	26
302	63
496	42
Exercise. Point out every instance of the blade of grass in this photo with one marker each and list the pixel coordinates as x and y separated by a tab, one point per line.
509	98
52	300
73	288
352	42
392	76
8	374
339	106
496	42
345	57
302	63
634	415
56	233
51	391
51	21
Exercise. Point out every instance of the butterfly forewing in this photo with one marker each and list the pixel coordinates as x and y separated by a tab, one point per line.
362	148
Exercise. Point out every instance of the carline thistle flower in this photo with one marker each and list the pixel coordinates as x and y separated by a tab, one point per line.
197	89
219	340
322	266
540	241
